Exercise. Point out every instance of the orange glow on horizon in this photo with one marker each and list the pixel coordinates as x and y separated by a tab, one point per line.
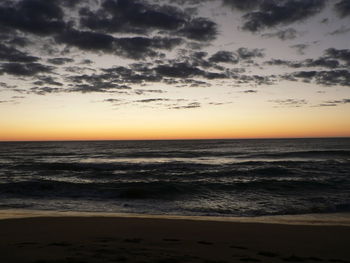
171	134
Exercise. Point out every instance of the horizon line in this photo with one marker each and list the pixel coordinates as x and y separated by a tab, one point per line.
179	139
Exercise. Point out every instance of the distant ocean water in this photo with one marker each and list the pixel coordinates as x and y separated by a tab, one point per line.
199	177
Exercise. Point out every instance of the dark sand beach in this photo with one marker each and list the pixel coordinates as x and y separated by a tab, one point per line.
50	237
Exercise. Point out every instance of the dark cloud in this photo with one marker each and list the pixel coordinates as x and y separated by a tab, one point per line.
12	54
330	60
253	79
340	31
250	91
179	70
130	47
60	61
108	87
191	105
112	100
133	16
70	3
273	13
225	57
245	53
46	80
326	78
39	17
245	5
281	62
200	29
18	41
151	100
7	86
321	62
24	69
44	90
333	103
286	34
86	62
300	48
6	101
343	101
146	91
140	47
341	54
87	40
140	17
343	8
290	102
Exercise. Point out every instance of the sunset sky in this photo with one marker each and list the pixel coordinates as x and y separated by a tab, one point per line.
179	69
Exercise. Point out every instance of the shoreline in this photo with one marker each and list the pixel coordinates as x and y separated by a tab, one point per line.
326	219
83	237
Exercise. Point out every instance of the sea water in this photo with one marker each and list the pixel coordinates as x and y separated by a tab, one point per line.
183	177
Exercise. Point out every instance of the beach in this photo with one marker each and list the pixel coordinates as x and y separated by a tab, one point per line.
44	236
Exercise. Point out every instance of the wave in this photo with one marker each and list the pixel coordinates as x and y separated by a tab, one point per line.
165	189
187	154
302	154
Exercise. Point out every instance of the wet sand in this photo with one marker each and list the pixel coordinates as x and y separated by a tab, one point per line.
86	237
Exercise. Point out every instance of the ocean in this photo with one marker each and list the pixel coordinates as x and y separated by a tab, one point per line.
185	177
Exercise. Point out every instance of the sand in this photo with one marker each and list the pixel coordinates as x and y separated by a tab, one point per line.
27	236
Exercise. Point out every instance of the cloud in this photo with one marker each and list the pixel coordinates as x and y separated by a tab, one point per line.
140	17
87	40
44	90
249	91
140	47
273	13
200	29
245	5
40	17
7	86
333	103
6	101
340	31
130	47
46	80
191	105
12	54
151	100
343	8
245	53
290	102
321	62
343	101
60	61
286	34
300	48
326	78
330	59
281	62
24	69
100	87
179	70
225	57
132	17
341	54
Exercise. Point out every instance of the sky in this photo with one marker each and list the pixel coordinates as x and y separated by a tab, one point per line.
177	69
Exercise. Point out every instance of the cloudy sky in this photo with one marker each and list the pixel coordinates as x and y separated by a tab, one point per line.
158	69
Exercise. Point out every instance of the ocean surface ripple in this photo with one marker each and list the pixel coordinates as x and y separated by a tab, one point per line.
189	177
